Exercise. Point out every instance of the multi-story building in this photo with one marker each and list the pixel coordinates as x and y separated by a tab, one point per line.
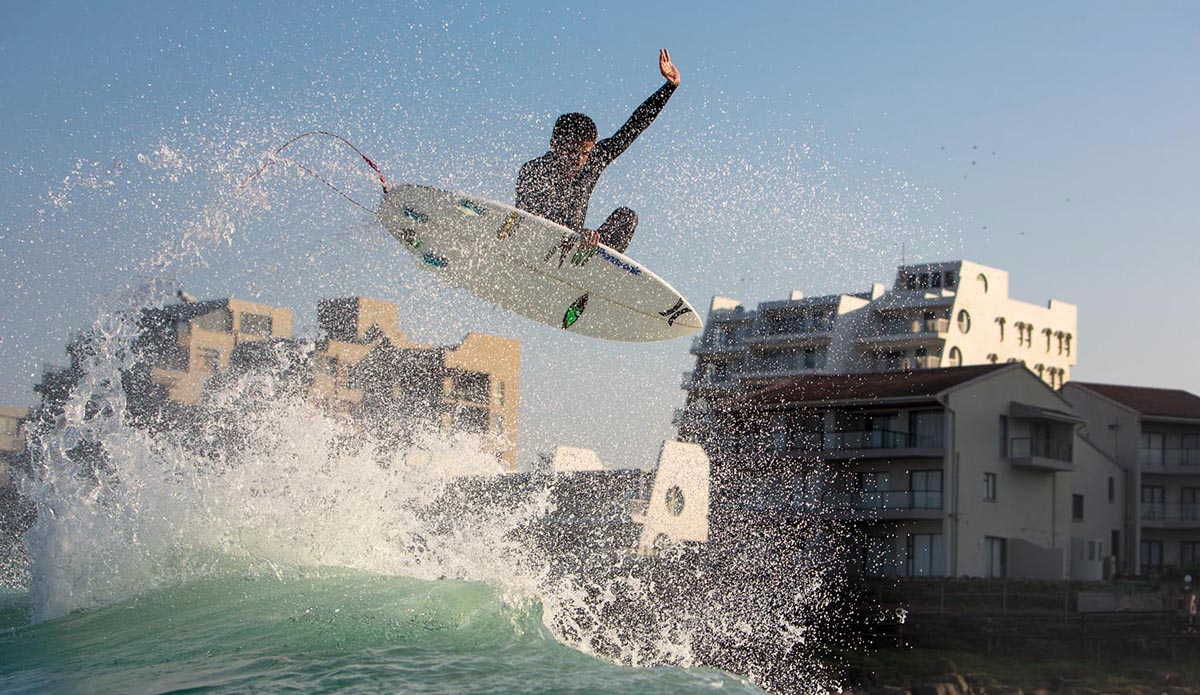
366	367
1154	434
187	343
936	315
12	439
974	471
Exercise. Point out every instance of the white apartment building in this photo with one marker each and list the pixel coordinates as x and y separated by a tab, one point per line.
944	314
975	471
1154	435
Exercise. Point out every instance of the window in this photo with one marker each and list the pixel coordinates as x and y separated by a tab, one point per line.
256	324
1003	436
964	321
923	281
1153	502
1077	507
951	280
926	489
1152	557
1112	488
983	281
1189	555
1153	451
955	357
925	555
1068	344
935	281
472	420
1116	544
989	487
208	359
674	500
997	556
910	281
499	393
1000	322
1189	504
1059	336
1047	332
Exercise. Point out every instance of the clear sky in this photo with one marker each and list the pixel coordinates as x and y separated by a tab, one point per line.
808	143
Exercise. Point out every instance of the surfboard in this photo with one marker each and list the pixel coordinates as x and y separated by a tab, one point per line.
534	267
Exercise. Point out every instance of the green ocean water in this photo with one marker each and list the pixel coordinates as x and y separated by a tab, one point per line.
335	631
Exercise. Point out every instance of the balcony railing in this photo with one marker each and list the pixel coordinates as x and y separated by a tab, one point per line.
1173	511
1169	457
888	500
882	439
916	326
1037	447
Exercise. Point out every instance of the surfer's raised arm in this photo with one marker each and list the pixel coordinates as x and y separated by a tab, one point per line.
558	185
611	148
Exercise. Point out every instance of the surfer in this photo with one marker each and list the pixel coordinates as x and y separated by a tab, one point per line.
558	185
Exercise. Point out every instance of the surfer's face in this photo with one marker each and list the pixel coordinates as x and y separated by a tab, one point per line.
577	153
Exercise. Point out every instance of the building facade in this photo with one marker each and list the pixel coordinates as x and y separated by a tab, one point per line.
935	315
365	367
1154	435
973	471
12	440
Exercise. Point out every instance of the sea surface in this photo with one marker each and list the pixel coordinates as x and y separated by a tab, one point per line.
331	631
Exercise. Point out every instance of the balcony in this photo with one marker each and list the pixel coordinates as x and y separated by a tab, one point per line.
883	444
914	331
692	382
1170	460
707	345
1051	455
887	505
1170	516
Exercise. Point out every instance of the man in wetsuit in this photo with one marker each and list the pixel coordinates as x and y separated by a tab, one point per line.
558	185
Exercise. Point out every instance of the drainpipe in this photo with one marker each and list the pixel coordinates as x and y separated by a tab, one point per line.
953	468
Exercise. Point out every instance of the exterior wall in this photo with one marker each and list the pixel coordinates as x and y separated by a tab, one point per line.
1093	554
206	344
677	510
12	438
1031	505
500	359
970	321
1170	524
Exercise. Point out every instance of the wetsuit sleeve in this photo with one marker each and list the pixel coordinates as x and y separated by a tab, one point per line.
534	189
610	148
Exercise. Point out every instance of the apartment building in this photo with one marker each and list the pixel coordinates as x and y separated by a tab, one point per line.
12	439
974	471
365	367
935	315
1154	435
187	343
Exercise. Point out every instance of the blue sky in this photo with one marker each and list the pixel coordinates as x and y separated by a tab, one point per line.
808	144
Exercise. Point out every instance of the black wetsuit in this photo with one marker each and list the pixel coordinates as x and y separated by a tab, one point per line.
546	189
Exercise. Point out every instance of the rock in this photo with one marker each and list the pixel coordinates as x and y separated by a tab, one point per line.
944	666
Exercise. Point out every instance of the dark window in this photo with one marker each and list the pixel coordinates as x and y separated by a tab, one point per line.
1152	557
926	489
1112	488
950	279
923	281
256	324
1116	544
1003	436
1189	555
935	280
989	487
1077	507
997	557
472	420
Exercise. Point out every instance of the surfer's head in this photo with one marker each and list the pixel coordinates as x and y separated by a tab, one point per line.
574	136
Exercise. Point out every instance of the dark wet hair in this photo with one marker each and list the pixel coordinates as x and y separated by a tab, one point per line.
571	128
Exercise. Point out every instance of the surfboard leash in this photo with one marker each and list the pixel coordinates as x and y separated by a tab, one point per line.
274	155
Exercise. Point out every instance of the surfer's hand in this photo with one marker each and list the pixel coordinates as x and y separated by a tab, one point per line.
590	240
667	68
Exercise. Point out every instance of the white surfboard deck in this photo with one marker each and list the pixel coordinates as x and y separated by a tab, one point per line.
532	266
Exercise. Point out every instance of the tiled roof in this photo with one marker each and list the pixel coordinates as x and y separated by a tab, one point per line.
921	384
1149	401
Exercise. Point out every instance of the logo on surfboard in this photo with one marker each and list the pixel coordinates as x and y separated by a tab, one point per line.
677	310
575	311
510	225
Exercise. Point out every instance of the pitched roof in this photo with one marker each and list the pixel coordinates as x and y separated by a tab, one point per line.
1149	401
921	384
